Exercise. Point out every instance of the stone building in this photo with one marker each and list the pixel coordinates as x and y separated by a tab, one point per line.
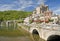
43	14
41	9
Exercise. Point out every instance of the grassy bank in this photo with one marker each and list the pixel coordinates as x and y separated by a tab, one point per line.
13	33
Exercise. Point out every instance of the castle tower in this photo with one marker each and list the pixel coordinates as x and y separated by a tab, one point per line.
38	10
42	8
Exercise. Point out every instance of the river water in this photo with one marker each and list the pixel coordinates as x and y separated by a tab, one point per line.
26	38
36	37
22	38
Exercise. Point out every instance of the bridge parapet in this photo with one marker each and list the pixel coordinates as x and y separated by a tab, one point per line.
51	27
44	31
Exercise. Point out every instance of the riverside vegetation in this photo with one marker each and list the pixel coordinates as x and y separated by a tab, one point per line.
12	15
7	34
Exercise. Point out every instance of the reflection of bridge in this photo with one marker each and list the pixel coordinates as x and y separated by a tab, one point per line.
8	23
45	31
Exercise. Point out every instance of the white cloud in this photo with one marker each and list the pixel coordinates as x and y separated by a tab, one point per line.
41	1
21	4
6	7
28	3
57	11
24	4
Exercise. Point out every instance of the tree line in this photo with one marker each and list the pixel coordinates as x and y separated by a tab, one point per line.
13	15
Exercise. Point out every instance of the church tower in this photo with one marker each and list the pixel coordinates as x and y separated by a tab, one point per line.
42	8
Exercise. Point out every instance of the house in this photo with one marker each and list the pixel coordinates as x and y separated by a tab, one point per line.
43	14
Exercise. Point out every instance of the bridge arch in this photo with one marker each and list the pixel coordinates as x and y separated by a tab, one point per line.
53	38
35	32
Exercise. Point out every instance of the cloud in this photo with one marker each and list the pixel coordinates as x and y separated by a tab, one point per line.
41	1
57	11
28	3
20	4
23	4
6	7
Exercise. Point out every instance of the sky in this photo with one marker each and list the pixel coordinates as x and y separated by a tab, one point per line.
29	5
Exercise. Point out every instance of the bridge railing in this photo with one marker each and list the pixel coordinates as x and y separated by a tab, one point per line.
51	27
42	26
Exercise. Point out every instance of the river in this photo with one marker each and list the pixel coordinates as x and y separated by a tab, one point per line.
26	38
21	38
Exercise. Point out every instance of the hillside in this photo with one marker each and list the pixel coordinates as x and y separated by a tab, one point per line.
13	15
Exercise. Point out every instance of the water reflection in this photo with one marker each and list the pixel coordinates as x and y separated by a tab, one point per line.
12	26
36	37
30	37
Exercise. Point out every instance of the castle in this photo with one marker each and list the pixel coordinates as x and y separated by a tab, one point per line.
42	14
43	22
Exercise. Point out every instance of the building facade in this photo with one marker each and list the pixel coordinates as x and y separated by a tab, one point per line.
43	14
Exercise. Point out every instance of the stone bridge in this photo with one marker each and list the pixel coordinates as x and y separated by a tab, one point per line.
46	32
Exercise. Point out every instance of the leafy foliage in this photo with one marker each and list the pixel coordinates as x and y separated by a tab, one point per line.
13	15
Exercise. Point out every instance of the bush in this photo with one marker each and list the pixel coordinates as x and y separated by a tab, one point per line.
50	20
